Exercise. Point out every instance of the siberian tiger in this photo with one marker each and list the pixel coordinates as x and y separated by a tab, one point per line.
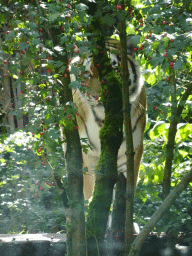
91	116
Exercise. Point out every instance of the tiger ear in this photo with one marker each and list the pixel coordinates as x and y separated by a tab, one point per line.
130	45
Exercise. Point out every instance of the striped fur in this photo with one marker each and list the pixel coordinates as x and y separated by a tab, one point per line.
92	115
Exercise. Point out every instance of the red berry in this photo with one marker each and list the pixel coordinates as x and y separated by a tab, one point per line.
52	183
164	22
65	75
48	70
73	46
28	149
69	117
42	163
5	61
22	52
88	93
77	114
150	58
78	28
36	183
119	6
162	112
171	63
68	5
76	127
67	69
141	24
172	40
86	44
168	79
70	13
168	105
69	60
21	91
135	49
41	133
62	27
155	108
41	30
165	54
8	32
40	188
27	42
88	26
97	46
166	50
36	195
77	51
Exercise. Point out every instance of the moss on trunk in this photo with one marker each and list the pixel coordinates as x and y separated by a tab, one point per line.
111	136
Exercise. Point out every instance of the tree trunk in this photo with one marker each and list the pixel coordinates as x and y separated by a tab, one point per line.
73	190
75	219
128	137
106	169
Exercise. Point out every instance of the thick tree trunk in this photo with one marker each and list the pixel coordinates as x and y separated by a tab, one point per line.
75	219
73	190
106	169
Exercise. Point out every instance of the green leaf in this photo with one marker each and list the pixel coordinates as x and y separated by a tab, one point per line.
75	84
53	134
54	16
35	41
184	132
75	70
179	64
160	129
2	18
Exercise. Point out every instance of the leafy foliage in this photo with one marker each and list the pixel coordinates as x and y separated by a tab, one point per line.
39	41
30	201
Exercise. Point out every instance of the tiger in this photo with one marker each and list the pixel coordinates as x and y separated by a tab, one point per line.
91	115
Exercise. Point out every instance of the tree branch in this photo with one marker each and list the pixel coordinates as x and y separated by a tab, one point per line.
136	246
